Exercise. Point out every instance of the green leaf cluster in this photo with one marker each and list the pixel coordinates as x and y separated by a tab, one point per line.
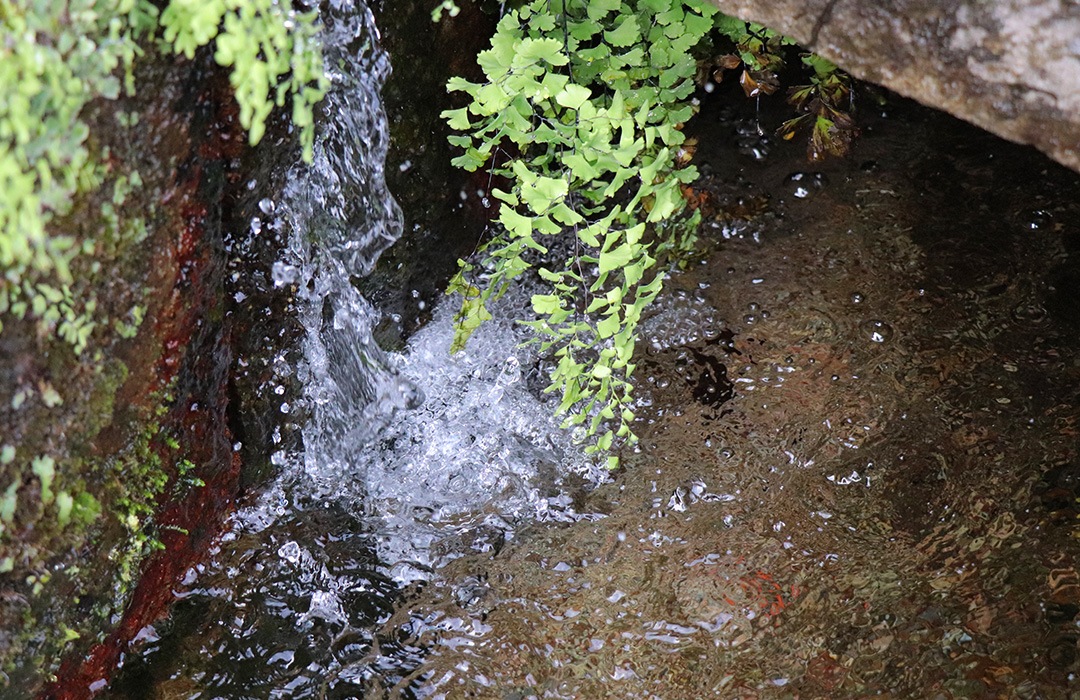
758	47
827	110
580	111
56	57
271	50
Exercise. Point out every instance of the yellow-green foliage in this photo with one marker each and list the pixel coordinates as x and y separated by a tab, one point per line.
52	63
271	51
56	56
591	93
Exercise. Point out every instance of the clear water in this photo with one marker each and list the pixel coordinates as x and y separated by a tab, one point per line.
422	444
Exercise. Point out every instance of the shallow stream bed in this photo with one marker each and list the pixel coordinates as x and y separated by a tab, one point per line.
858	474
887	502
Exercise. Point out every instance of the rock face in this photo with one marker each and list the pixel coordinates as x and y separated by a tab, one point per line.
1011	67
136	435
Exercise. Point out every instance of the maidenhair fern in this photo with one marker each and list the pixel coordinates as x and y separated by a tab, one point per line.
581	111
271	51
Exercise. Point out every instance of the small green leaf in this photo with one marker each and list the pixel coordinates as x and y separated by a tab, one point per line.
608	326
457	119
533	50
616	258
546	304
64	504
8	503
573	96
625	34
44	468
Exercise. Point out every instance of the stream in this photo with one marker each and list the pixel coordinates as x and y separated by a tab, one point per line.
858	472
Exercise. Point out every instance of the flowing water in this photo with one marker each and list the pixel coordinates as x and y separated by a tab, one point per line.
858	472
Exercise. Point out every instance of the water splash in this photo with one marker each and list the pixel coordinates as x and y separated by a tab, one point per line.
481	453
341	217
430	449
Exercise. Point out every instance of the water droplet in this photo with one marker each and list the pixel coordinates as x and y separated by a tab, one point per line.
857	298
805	185
267	206
1037	219
1029	312
878	331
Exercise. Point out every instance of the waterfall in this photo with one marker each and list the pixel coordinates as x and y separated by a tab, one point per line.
423	444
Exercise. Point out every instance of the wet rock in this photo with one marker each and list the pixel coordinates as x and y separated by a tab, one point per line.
1011	67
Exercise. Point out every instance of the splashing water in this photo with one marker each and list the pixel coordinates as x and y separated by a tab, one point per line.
424	444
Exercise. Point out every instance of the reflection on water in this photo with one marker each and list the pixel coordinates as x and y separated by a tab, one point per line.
894	482
858	472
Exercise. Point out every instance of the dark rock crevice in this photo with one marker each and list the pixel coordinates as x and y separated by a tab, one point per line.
1012	67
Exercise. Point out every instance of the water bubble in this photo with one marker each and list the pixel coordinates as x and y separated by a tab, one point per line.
284	274
1037	219
267	206
747	127
755	147
877	330
1029	312
290	552
805	185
